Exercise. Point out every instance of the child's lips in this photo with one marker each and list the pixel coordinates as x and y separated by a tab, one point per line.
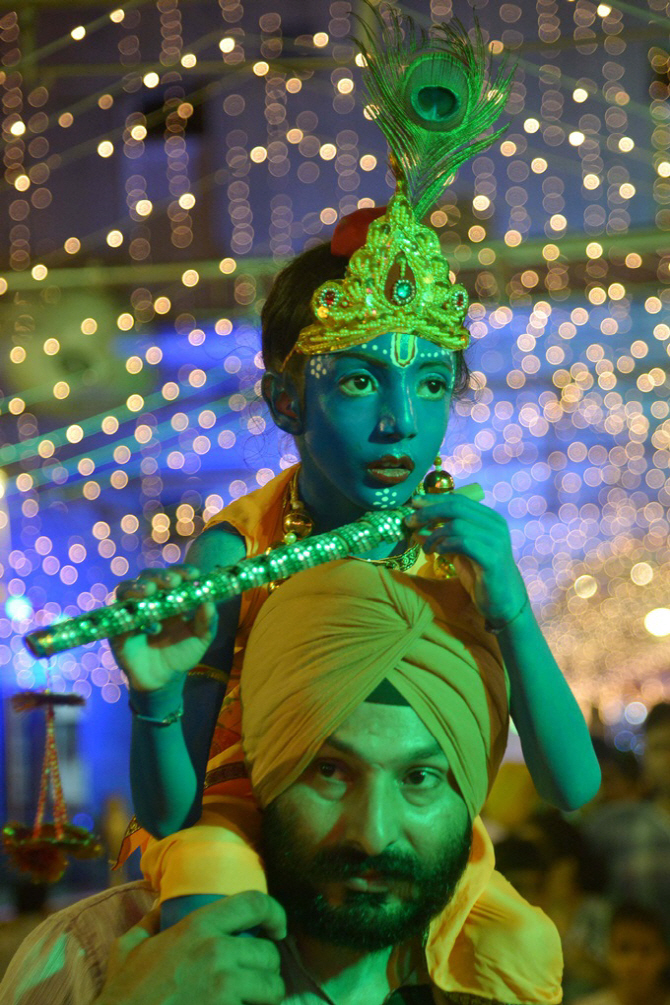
391	470
389	476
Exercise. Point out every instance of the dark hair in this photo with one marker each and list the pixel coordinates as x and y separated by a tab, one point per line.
287	310
659	715
629	912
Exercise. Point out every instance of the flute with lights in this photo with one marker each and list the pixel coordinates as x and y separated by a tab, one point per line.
140	614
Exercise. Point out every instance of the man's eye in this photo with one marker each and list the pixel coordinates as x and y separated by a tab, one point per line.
434	387
358	385
329	770
422	778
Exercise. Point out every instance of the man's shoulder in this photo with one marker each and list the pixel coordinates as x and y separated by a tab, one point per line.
115	909
64	959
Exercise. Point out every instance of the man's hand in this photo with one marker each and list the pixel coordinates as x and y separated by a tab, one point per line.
200	959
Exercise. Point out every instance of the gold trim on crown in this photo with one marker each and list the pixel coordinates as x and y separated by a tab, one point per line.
397	282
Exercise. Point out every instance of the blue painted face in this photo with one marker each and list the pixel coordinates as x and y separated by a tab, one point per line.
374	418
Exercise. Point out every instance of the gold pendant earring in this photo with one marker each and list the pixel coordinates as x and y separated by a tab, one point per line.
438	481
297	523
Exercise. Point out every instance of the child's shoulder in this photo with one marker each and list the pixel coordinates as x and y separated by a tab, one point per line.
255	516
217	545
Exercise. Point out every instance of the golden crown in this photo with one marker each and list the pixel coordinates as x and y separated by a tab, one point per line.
434	97
398	281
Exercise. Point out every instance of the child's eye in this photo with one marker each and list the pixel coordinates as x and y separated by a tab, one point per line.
358	385
434	387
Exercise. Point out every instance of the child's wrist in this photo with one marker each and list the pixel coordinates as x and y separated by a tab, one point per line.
160	703
176	908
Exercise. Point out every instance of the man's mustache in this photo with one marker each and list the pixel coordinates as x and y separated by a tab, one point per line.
346	863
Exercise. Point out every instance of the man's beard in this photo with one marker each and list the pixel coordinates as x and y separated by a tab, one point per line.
365	920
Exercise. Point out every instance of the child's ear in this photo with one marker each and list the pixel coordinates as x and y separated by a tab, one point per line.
283	399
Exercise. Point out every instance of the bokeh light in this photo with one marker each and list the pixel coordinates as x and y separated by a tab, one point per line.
657	622
147	210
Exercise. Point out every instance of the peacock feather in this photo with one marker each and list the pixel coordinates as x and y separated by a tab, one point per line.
433	96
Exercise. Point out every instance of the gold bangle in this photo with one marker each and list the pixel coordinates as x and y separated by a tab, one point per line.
167	721
202	670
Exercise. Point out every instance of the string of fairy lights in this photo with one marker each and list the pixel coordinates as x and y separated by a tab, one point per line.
558	232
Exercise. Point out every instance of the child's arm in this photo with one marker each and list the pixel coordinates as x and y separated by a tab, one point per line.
554	736
168	762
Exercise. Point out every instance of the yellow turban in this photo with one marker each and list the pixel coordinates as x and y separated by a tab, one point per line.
320	646
327	637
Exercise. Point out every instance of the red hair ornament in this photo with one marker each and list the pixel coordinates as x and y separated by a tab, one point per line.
351	232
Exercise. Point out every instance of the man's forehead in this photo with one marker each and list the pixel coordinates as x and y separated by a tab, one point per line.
393	732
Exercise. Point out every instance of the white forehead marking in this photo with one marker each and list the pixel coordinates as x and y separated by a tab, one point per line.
317	367
404	348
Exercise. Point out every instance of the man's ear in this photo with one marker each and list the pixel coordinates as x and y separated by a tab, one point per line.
283	399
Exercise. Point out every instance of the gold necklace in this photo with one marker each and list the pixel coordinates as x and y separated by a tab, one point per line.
399	562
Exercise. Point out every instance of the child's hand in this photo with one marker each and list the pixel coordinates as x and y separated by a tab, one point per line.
154	660
453	524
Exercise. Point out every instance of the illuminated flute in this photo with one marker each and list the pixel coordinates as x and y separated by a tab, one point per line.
138	614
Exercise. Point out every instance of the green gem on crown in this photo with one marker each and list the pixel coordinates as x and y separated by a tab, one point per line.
403	291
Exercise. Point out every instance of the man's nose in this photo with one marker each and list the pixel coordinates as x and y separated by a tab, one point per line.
397	420
372	818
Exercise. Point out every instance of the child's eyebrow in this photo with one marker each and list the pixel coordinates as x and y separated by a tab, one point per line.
367	358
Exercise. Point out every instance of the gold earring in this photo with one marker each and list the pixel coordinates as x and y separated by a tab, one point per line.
297	523
438	481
